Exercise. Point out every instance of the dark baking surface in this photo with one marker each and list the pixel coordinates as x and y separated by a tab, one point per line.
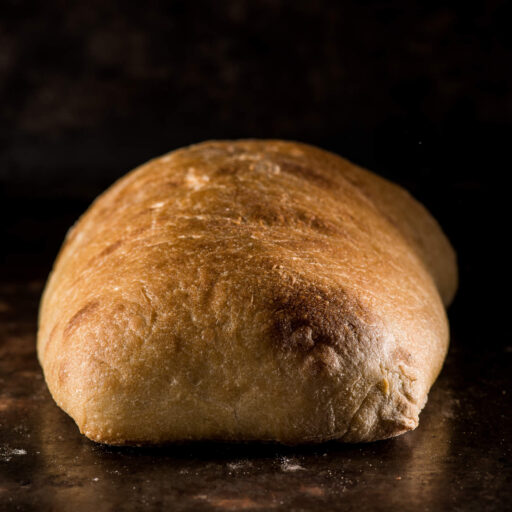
420	92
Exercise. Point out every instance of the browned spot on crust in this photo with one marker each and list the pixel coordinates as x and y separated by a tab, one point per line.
319	224
171	183
80	316
264	215
307	318
110	249
302	338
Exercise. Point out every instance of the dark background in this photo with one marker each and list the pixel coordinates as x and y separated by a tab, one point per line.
421	94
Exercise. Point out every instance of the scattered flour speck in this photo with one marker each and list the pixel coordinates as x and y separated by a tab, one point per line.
241	464
6	453
290	465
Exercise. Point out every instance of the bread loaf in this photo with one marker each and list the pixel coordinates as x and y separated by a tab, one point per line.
247	290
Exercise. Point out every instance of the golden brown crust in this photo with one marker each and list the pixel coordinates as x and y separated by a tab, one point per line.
247	290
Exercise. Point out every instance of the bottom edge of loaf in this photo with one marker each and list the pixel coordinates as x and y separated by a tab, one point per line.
387	432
